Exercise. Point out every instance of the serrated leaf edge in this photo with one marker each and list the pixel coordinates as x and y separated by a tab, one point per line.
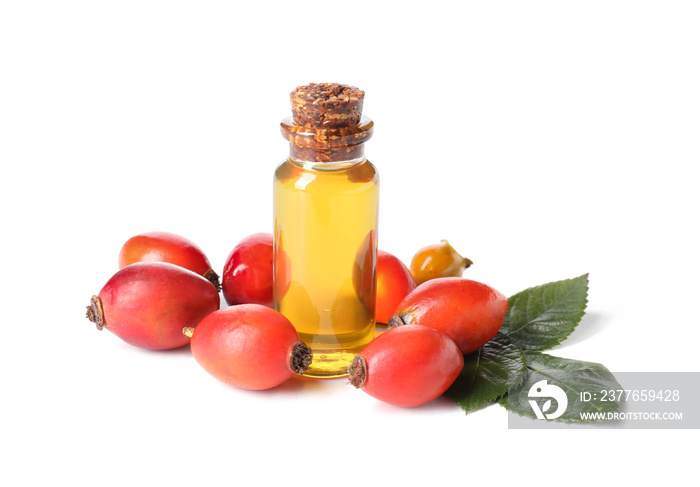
493	400
577	321
566	421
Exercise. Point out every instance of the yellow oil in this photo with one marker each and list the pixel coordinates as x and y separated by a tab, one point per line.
325	258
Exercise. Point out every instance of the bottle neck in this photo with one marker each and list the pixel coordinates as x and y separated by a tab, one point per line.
316	165
340	146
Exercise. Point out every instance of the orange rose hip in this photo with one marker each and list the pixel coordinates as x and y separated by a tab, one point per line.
438	260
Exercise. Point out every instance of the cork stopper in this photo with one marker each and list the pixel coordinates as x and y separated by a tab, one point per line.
327	125
327	105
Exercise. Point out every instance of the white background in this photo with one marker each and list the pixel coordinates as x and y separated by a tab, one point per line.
543	139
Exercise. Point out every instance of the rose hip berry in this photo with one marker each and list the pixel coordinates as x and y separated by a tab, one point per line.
147	304
439	260
407	366
249	346
394	282
468	311
167	247
247	276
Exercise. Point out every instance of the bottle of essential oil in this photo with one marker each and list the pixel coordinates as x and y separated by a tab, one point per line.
325	234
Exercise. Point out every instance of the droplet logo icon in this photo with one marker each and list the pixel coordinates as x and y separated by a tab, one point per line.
542	389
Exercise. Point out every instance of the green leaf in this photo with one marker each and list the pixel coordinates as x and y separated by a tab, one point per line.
541	317
488	373
573	377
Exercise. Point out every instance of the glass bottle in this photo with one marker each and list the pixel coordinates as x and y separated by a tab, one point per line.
325	226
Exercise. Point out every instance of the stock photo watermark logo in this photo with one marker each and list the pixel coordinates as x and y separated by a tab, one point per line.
542	389
631	400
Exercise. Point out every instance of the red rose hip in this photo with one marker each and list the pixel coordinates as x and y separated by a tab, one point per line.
167	247
147	304
394	282
249	346
407	366
247	276
468	311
